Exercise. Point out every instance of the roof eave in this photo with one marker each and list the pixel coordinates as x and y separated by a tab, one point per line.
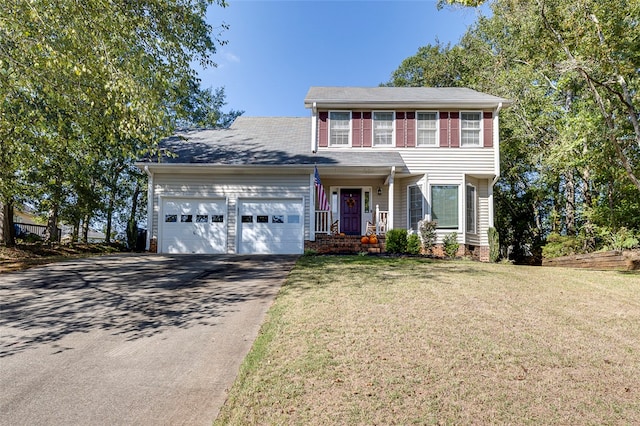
449	104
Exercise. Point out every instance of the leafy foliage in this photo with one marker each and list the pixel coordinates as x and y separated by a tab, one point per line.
428	235
494	244
570	143
450	244
88	87
396	241
413	244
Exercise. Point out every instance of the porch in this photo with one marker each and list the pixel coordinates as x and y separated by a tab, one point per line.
328	223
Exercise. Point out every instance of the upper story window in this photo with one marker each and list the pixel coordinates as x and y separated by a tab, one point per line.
340	128
470	128
427	129
383	128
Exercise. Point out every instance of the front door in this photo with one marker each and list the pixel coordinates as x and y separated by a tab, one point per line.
350	211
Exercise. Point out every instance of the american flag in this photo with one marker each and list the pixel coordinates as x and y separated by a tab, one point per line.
321	197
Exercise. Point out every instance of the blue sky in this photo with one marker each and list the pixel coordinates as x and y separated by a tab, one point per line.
277	49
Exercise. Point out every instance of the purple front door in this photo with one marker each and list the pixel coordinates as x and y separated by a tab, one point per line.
350	211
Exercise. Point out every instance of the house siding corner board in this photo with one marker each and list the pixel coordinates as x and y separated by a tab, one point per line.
232	188
405	129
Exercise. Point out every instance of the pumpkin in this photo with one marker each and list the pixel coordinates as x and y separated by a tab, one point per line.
373	239
342	234
364	240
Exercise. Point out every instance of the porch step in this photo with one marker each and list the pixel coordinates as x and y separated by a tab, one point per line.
345	244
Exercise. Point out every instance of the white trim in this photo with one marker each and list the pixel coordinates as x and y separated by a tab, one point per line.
460	203
314	129
373	129
350	137
312	207
480	133
420	188
363	215
437	141
475	209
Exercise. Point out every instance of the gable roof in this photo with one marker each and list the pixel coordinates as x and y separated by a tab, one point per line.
263	141
355	97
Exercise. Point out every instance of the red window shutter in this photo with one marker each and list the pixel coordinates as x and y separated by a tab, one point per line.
366	129
444	130
399	129
323	129
411	129
487	128
455	129
356	129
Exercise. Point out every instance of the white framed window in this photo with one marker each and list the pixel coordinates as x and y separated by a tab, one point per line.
426	128
340	128
470	128
383	127
471	209
415	207
444	206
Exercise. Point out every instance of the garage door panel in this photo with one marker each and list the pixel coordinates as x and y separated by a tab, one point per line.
271	227
194	226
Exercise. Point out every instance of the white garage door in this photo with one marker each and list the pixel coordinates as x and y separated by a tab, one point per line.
194	226
271	226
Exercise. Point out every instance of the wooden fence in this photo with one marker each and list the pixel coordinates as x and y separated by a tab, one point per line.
628	260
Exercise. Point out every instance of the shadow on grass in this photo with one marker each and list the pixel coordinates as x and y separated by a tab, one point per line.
132	296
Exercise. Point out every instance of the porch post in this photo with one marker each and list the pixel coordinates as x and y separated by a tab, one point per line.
312	207
391	205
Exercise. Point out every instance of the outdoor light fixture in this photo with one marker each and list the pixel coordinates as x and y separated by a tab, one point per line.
379	191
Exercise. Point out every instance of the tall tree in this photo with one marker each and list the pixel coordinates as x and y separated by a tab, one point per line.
96	78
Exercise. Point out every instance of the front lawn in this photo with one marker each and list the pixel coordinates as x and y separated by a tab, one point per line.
367	340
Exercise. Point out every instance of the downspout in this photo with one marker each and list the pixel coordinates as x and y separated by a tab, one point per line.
149	206
496	159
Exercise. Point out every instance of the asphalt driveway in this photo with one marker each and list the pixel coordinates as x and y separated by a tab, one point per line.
130	339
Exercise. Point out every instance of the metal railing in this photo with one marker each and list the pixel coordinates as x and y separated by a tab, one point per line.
23	230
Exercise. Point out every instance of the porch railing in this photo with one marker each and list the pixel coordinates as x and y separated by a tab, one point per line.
381	220
323	221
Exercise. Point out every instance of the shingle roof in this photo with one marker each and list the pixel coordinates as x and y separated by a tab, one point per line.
399	95
264	141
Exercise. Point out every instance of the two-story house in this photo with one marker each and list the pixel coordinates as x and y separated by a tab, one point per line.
386	157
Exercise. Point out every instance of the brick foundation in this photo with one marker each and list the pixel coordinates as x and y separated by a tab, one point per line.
347	244
350	244
153	245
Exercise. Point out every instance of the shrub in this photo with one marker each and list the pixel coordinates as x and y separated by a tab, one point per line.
413	244
450	243
494	244
396	241
561	245
427	230
622	239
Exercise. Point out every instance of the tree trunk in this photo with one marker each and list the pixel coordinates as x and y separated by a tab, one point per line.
8	228
570	206
107	236
85	229
51	233
132	224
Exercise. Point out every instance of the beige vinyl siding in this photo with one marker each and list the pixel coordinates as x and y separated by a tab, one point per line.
449	161
483	211
231	187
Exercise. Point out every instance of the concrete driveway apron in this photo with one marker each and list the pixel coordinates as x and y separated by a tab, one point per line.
130	339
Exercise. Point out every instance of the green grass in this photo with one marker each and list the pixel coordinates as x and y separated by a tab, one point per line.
367	340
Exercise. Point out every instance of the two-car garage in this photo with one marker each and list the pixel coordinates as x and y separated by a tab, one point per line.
252	226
